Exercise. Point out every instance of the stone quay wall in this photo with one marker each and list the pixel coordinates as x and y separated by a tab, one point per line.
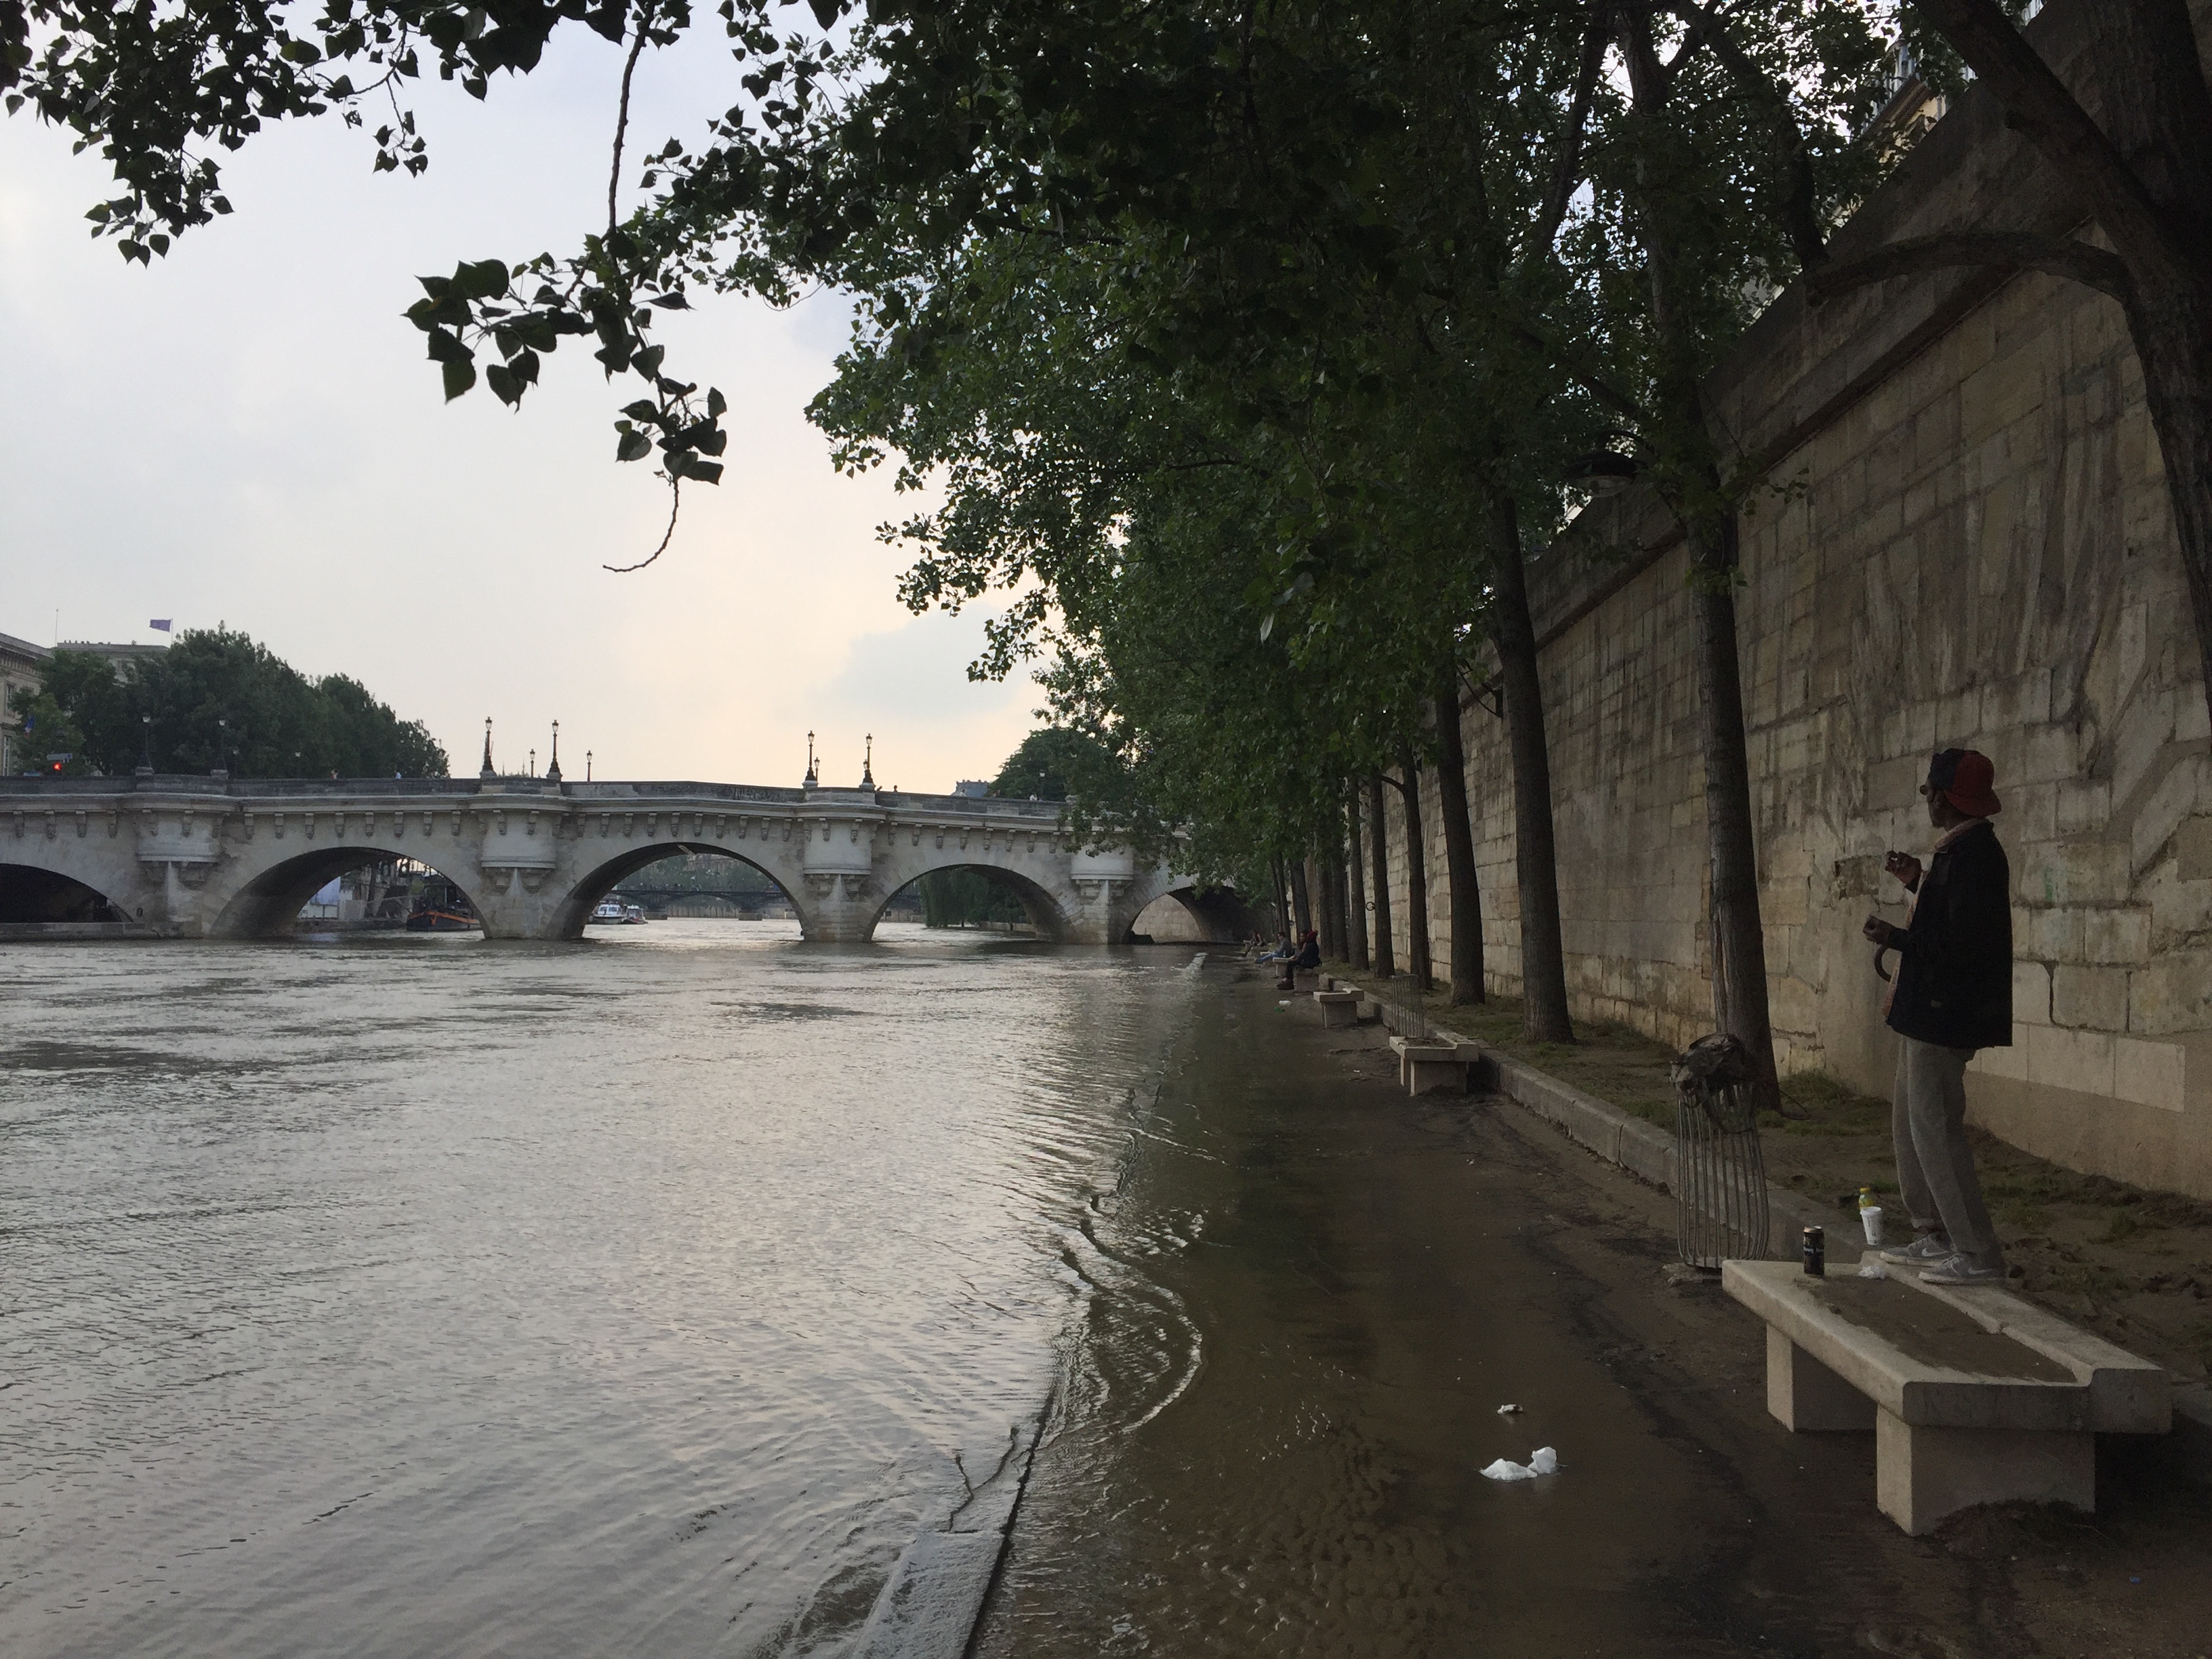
1966	540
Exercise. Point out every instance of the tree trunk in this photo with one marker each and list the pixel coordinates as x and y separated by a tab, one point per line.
1356	917
1739	938
1544	1011
1459	847
1708	522
1417	878
1301	902
1338	908
1282	897
1322	877
1386	944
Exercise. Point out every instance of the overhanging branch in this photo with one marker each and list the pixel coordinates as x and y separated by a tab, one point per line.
2055	256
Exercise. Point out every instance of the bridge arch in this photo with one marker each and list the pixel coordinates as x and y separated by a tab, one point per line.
1218	914
36	893
267	904
576	906
1046	913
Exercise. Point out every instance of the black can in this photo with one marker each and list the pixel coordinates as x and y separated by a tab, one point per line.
1816	1252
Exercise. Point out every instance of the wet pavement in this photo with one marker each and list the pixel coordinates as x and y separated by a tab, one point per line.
1319	1294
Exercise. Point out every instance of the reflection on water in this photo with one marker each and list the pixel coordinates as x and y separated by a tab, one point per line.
413	1296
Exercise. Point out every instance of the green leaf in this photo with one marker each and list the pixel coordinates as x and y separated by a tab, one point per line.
459	377
486	279
633	446
715	403
504	385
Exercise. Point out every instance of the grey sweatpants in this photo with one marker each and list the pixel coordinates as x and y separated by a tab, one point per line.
1935	1165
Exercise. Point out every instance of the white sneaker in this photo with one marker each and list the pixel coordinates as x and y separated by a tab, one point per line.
1959	1271
1924	1251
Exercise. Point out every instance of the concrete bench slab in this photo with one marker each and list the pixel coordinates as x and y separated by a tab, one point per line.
1965	1408
1427	1066
1338	1007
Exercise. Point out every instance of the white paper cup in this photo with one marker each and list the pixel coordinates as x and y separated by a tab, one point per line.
1870	1218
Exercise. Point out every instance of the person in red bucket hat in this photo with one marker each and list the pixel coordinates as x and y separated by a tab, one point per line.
1953	995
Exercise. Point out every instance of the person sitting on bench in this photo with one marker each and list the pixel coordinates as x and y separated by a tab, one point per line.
1953	995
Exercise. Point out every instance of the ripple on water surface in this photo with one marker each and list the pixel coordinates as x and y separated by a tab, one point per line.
412	1296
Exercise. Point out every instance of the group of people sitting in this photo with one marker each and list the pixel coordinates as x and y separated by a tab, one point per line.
1304	956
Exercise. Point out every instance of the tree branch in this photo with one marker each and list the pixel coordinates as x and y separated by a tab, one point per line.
675	506
1800	211
2055	256
622	125
2037	103
1567	171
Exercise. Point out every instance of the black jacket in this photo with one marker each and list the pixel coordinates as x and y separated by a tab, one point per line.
1309	955
1955	980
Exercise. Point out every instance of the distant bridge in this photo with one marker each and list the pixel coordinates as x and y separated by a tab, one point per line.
203	857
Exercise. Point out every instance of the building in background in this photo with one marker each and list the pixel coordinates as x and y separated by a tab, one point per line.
21	665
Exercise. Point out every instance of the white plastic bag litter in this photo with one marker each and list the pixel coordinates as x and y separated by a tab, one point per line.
1507	1411
1873	1269
1542	1460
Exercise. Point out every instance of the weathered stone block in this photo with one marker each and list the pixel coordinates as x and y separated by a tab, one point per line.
2061	1059
2116	936
2079	996
2155	1073
2173	993
2031	993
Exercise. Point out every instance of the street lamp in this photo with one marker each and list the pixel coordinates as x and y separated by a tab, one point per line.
146	745
533	763
587	766
553	772
811	778
223	748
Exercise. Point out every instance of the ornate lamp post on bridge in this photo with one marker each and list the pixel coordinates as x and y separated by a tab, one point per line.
487	772
553	772
811	778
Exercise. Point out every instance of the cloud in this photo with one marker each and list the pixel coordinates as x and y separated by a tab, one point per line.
249	433
908	686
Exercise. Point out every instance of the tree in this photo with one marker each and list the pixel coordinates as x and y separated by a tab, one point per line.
217	699
1050	761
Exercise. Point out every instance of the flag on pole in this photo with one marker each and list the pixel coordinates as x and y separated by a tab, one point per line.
162	622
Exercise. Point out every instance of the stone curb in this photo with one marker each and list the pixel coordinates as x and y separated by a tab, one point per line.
1645	1150
930	1606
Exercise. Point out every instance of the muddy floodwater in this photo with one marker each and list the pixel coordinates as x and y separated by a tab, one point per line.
408	1297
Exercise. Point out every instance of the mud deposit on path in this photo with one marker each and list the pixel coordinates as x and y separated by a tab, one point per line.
1314	1296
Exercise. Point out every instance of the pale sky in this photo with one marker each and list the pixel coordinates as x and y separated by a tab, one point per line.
249	433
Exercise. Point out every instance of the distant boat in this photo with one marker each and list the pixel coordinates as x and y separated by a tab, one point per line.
608	910
632	913
441	910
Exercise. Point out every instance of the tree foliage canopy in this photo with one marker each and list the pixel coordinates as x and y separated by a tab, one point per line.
215	697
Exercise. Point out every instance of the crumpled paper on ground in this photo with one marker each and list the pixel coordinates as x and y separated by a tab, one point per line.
1873	1269
1542	1460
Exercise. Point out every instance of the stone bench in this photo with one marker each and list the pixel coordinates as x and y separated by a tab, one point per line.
1338	1007
1427	1066
1974	1395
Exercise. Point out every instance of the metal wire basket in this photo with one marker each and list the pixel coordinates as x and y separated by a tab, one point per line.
1720	1172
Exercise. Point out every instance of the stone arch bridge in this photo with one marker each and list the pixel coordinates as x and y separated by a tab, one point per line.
209	857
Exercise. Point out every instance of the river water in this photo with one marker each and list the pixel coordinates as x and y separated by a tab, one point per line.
404	1296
